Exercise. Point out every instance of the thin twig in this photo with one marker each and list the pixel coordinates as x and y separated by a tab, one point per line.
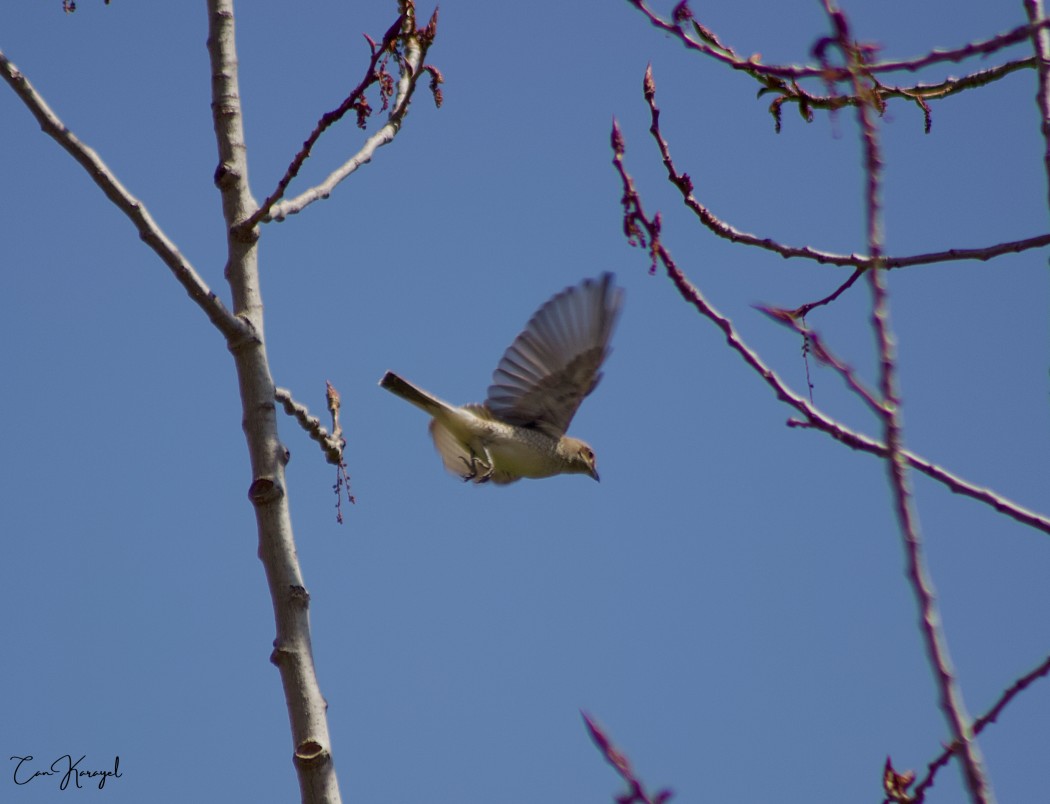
331	446
804	309
961	53
825	355
952	86
794	92
954	483
636	793
342	475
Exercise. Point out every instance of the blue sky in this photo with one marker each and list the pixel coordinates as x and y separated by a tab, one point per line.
729	601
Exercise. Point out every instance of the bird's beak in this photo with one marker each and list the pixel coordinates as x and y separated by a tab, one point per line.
594	473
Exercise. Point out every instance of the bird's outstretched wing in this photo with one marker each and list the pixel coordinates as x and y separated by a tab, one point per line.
554	363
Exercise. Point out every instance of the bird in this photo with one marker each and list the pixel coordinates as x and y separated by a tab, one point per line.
537	387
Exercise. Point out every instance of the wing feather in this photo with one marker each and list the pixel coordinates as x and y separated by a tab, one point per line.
555	362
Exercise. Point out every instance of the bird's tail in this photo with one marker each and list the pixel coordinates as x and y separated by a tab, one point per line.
407	391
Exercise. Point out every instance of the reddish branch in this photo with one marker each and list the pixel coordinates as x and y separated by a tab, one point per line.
823	353
644	231
919	793
782	80
392	45
1041	45
635	791
868	96
684	184
706	43
951	701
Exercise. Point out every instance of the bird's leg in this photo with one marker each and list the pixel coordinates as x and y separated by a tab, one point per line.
471	471
489	464
473	464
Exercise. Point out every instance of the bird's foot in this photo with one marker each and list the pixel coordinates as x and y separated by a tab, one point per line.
473	466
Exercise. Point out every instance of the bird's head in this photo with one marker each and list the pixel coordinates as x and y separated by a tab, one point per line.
579	456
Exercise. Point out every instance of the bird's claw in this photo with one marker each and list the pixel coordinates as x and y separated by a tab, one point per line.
472	470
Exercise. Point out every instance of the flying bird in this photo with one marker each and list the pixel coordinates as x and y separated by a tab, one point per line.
519	431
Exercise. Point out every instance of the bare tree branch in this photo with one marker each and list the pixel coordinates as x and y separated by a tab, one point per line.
919	793
243	330
793	92
644	231
331	446
705	44
229	325
951	699
867	95
1041	45
293	650
824	354
684	184
804	309
415	43
353	101
636	793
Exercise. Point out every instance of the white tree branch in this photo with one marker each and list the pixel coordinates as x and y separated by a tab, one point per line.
293	649
232	328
